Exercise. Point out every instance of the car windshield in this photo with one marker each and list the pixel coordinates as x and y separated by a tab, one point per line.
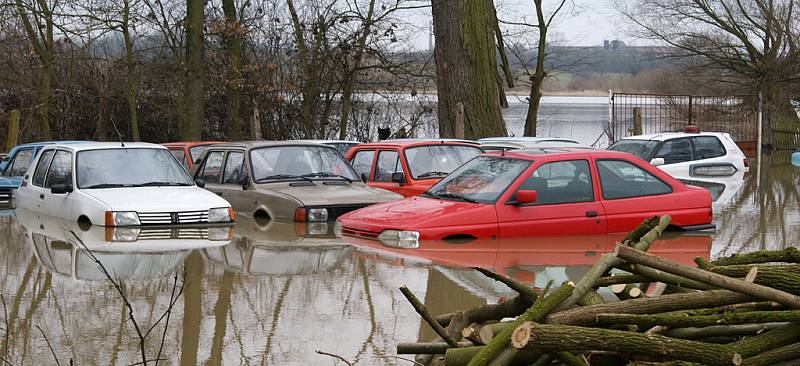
641	148
481	180
436	161
299	162
129	167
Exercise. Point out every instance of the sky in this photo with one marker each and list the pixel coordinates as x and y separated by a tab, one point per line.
587	23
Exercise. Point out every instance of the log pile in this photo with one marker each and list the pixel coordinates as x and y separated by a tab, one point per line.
741	310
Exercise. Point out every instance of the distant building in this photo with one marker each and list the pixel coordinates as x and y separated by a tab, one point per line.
615	45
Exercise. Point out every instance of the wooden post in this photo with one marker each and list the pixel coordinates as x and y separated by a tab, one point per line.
637	121
13	129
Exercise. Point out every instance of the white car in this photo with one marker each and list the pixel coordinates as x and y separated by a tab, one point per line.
109	184
687	155
525	142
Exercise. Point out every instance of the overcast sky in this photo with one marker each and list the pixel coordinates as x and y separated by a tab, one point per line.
588	23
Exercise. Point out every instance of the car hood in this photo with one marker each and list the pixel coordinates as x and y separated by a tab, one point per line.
157	199
333	194
10	182
415	213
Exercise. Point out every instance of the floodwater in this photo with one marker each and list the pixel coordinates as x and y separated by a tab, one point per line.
273	294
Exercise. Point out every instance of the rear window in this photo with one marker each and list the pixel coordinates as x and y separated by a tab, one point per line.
707	147
640	148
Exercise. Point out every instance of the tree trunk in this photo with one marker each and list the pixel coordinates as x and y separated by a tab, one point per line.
538	76
12	135
349	83
233	54
130	69
191	128
465	68
41	39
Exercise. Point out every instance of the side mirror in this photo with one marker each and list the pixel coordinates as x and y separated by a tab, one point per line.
200	182
364	177
198	161
63	188
399	178
245	183
525	196
657	161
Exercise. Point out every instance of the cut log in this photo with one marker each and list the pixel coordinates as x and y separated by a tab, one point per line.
535	313
587	315
623	278
591	298
524	290
423	312
785	278
461	356
660	276
485	313
608	261
774	356
681	320
721	331
487	332
758	291
788	255
766	341
566	338
426	348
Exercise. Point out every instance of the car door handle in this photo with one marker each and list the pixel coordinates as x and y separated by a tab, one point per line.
591	213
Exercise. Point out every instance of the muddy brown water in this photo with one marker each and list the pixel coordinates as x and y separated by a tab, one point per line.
274	294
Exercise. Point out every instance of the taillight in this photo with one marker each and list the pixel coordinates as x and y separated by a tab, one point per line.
746	163
300	214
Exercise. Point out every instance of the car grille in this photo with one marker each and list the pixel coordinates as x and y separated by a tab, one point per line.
335	211
5	196
359	233
169	218
173	233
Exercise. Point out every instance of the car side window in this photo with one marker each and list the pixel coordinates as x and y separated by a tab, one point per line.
60	170
707	147
362	162
388	163
621	179
19	165
675	151
212	167
235	172
181	156
561	182
41	167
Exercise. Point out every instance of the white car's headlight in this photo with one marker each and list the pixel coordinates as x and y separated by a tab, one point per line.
125	234
220	214
399	238
337	229
122	218
317	214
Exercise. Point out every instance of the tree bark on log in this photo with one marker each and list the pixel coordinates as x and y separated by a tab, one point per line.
591	298
788	255
423	312
758	291
565	338
462	356
621	279
772	357
426	348
484	313
586	315
525	291
721	331
678	320
535	313
766	341
785	278
656	275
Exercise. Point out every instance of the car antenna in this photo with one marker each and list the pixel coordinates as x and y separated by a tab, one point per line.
119	135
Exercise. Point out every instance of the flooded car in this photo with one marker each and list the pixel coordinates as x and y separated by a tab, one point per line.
110	184
538	192
409	167
127	253
281	248
15	164
288	180
187	152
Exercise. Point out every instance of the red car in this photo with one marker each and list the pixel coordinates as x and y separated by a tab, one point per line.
188	152
536	192
408	166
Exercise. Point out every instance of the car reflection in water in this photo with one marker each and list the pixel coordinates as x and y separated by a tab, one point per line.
533	260
271	247
127	253
723	189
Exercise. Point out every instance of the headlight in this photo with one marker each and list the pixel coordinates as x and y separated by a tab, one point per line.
317	214
122	218
124	234
220	214
337	229
399	238
220	233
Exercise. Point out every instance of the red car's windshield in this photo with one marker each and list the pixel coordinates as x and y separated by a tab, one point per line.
435	161
481	180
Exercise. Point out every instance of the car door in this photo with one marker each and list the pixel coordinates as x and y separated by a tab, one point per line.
20	162
677	155
234	176
211	171
566	206
362	162
387	163
60	172
709	150
32	195
630	193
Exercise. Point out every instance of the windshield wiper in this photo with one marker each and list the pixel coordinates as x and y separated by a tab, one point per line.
455	196
108	185
326	175
283	176
432	174
157	184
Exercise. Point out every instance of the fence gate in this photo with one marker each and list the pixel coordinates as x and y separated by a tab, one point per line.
634	114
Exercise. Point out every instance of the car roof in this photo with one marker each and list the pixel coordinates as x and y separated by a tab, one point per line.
671	135
190	143
80	146
558	153
43	143
331	141
255	144
420	142
523	139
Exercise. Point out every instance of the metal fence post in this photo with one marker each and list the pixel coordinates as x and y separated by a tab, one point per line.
758	139
611	126
690	109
